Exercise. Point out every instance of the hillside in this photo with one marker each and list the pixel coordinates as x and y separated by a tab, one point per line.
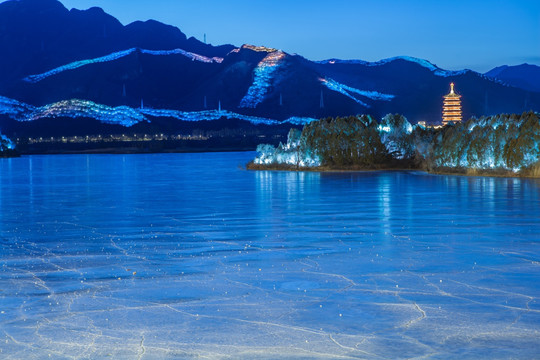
70	69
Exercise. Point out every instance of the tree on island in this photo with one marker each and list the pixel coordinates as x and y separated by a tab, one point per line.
501	143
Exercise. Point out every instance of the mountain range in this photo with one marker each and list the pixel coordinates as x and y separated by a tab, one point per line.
59	67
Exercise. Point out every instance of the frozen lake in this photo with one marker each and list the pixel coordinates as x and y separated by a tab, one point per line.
181	256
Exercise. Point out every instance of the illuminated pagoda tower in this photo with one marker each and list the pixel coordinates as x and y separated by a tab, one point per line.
451	107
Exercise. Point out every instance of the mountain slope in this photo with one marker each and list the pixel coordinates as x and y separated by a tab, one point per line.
65	64
524	76
38	35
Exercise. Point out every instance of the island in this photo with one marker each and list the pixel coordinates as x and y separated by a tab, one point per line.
499	145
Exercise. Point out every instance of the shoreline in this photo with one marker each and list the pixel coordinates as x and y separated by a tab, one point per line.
120	151
500	173
440	171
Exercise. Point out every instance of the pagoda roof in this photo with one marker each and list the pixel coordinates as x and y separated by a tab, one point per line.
452	94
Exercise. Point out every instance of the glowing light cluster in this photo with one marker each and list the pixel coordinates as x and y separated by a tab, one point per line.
117	55
349	91
264	78
14	109
122	115
502	142
6	143
193	56
451	107
210	115
488	141
78	64
424	63
286	154
295	120
259	48
335	86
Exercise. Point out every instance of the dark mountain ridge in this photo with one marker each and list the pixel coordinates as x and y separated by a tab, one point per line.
38	35
153	72
524	76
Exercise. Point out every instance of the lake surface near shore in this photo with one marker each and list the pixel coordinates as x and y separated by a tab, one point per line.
180	256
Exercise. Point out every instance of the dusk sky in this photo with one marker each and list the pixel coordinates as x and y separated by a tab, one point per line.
452	34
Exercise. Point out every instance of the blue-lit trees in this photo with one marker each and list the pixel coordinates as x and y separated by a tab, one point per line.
500	143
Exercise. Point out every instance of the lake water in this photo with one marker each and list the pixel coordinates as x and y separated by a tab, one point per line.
180	256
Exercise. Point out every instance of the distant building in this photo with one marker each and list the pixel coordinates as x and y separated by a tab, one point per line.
451	107
425	125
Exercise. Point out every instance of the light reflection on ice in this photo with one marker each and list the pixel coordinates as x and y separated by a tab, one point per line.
188	256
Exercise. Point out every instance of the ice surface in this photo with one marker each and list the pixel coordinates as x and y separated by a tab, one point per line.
180	256
117	55
123	115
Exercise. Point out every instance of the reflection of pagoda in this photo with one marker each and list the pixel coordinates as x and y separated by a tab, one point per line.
451	107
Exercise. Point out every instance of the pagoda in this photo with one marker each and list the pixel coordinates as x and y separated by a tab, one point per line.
451	107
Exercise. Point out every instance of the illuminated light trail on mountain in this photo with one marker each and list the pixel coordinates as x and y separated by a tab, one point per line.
120	115
78	64
335	86
188	54
211	115
123	115
373	95
424	63
264	78
349	91
117	55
